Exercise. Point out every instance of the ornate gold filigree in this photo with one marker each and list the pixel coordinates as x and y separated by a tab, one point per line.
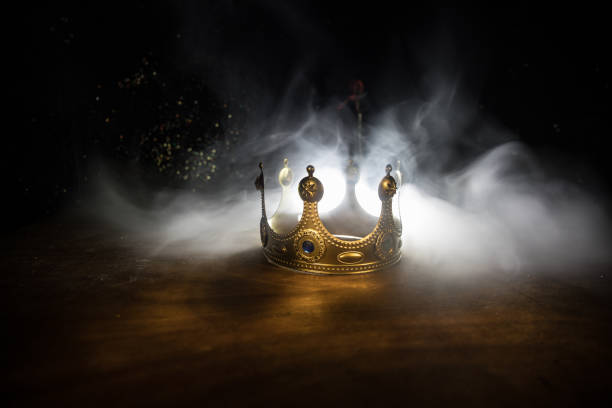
309	245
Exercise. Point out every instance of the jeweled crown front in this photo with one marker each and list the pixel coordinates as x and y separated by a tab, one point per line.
310	247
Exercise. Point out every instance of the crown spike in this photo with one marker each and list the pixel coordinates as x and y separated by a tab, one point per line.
284	217
259	181
351	173
285	176
387	186
259	185
398	173
310	169
310	189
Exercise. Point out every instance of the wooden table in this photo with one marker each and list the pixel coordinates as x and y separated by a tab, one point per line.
91	319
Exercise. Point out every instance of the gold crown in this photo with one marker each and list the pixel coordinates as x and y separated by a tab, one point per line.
352	246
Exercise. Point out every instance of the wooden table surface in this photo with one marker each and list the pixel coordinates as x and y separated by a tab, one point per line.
90	320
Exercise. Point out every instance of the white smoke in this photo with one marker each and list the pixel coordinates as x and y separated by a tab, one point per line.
498	211
500	216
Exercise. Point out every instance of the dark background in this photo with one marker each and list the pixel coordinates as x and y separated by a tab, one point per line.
98	81
98	314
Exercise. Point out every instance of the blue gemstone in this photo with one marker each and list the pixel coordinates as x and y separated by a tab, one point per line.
308	246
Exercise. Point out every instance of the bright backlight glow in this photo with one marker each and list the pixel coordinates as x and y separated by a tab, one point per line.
367	198
334	185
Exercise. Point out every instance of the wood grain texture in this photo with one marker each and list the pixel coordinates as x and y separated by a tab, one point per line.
93	317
